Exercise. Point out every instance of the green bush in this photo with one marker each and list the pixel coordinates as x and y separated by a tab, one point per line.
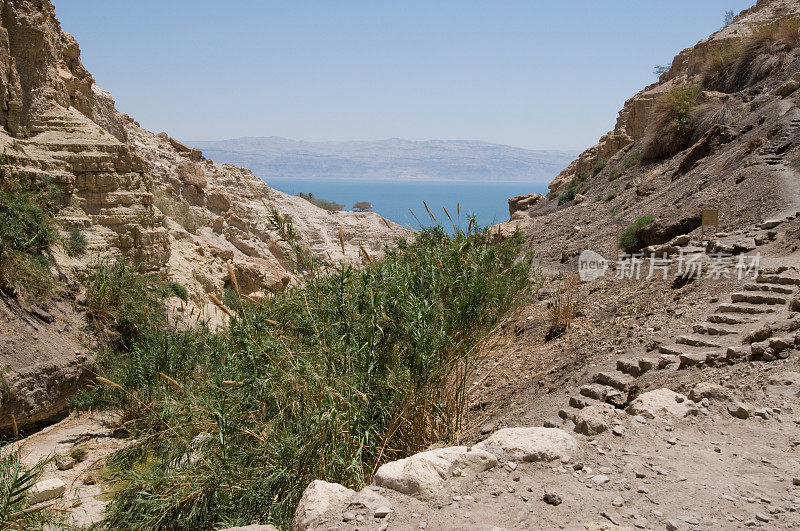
75	243
123	304
610	196
629	238
27	232
326	380
175	288
669	126
322	203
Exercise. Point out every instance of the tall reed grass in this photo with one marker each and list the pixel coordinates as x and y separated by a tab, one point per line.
327	380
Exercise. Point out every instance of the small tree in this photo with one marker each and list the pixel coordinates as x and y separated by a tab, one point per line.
729	15
362	206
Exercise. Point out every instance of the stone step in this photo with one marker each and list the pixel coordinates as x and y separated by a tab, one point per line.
777	279
668	361
596	391
696	341
580	402
647	364
744	308
617	380
728	319
757	298
713	330
775	288
669	350
629	366
692	359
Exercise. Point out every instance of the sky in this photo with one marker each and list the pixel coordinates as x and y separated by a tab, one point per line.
533	74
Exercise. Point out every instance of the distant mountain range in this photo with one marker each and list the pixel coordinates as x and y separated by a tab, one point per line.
391	159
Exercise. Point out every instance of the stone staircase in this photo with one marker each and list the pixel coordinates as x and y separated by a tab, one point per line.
771	154
723	338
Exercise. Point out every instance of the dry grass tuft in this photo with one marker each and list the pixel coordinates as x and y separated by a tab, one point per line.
669	127
565	302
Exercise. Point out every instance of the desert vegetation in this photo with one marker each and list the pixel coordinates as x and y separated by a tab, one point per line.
629	238
327	380
27	232
564	305
324	204
737	63
579	182
16	484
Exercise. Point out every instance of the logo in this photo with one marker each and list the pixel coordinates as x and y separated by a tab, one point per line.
591	265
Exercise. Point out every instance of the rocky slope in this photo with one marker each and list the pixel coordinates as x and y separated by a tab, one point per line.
664	403
718	130
137	195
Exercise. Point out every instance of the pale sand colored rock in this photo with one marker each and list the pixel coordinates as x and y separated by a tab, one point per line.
422	473
319	498
529	444
660	403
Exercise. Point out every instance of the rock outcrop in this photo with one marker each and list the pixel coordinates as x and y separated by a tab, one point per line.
147	198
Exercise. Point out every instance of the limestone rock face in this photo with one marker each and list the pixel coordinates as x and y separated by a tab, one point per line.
149	199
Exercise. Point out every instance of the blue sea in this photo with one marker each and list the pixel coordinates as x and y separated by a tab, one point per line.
393	200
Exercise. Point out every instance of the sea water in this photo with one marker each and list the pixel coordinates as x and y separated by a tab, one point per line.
395	200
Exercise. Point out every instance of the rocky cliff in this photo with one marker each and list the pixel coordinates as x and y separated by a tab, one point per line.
717	130
137	195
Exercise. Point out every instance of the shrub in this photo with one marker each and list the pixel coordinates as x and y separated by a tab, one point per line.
75	243
610	196
669	126
718	60
362	206
324	204
27	232
175	288
785	30
706	115
123	304
629	238
326	380
579	182
564	305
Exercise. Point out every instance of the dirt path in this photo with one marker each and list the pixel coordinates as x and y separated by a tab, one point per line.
80	445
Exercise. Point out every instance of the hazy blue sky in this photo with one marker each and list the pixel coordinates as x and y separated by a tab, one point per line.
545	75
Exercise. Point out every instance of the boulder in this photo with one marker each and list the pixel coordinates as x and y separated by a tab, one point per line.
422	474
522	202
369	501
708	390
788	378
739	410
529	444
759	334
659	403
191	173
786	89
663	230
258	274
594	419
218	201
317	504
179	146
46	490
